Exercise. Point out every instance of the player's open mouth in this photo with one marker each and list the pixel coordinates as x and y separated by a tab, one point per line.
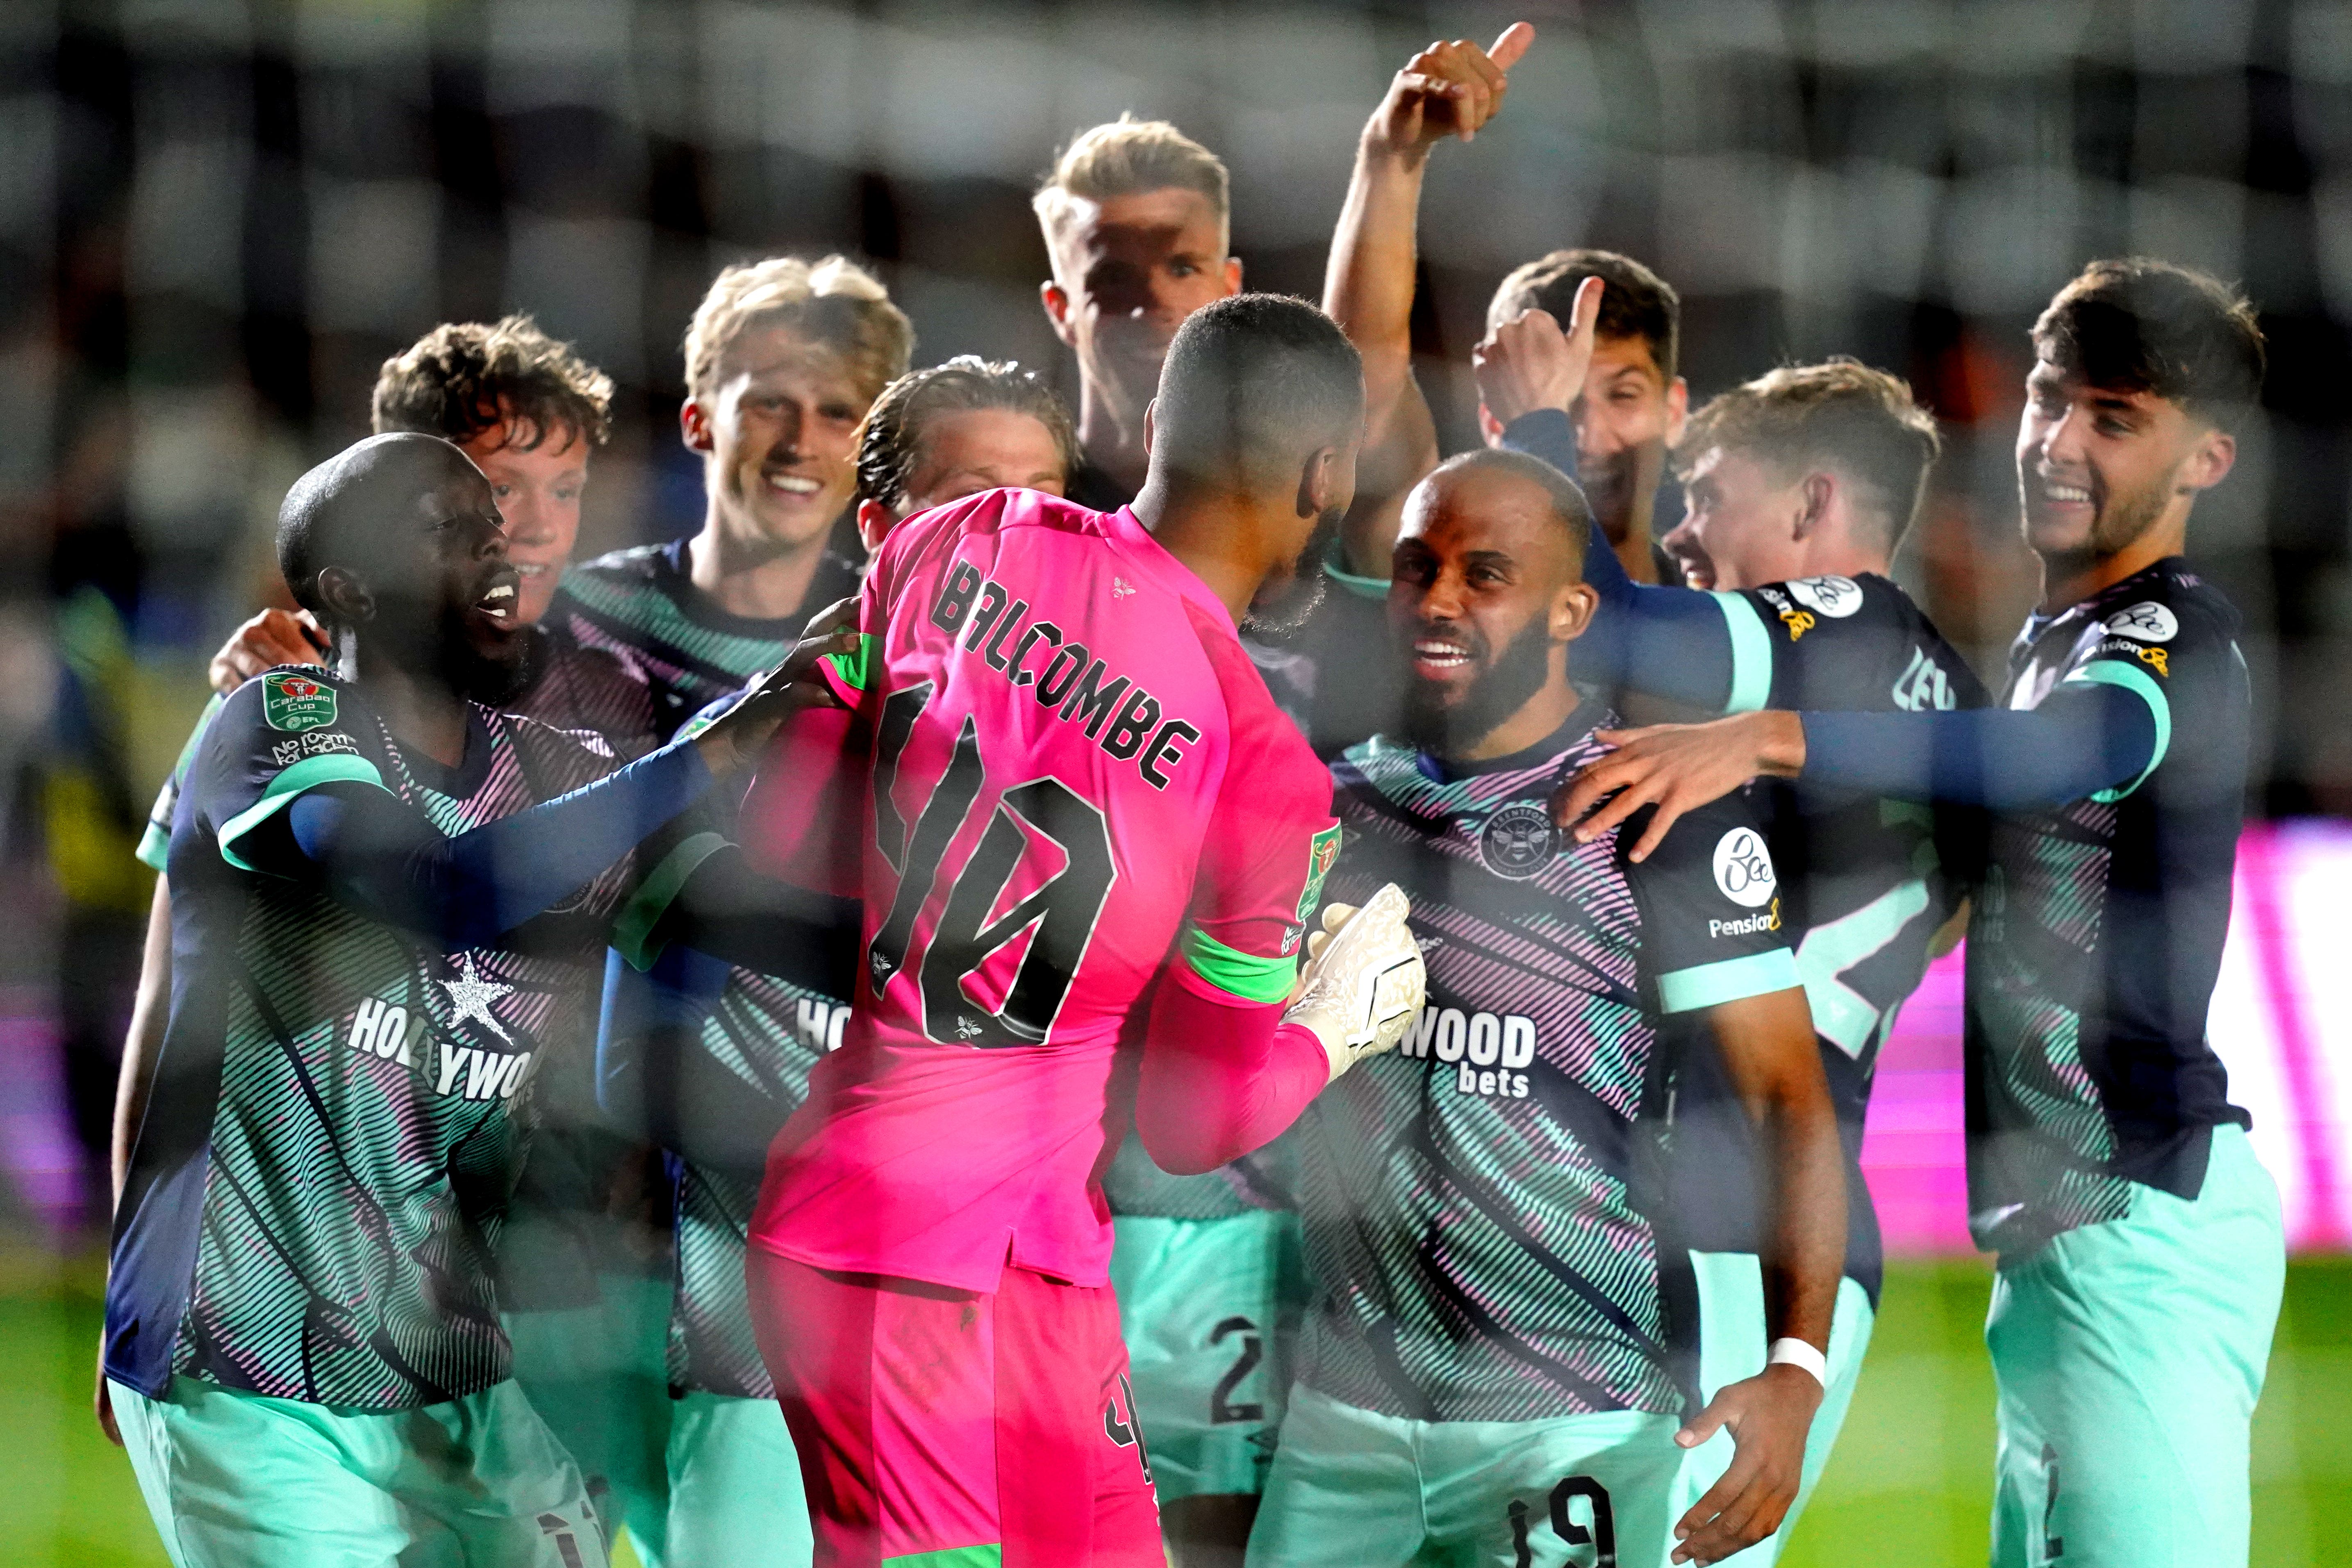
1698	570
792	484
533	568
2058	492
499	602
1434	654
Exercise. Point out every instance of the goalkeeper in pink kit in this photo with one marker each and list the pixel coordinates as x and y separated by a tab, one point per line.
1091	847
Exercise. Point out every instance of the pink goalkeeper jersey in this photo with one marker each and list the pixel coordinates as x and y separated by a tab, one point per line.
1078	778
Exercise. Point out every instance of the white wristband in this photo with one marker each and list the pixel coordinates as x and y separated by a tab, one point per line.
1797	1352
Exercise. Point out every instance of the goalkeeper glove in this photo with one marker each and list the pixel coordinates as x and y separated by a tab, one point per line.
1363	982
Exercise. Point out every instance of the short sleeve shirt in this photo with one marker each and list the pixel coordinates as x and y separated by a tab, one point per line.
566	687
2097	938
339	1106
1477	1204
1075	774
1866	883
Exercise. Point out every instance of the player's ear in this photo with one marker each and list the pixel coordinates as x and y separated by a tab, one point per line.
1319	482
1815	493
694	427
2210	462
1232	276
1056	300
1149	409
1572	611
1677	409
1489	425
874	524
344	597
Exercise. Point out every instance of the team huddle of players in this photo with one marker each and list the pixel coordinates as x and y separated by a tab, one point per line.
1155	1004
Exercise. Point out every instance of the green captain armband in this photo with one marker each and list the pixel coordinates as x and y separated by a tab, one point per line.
1237	973
854	670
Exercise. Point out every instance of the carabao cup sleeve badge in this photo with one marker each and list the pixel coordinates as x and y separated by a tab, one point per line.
294	702
1322	854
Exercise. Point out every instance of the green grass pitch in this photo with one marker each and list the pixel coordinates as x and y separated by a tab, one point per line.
1908	1488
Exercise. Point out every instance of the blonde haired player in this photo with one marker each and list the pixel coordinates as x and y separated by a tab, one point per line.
783	359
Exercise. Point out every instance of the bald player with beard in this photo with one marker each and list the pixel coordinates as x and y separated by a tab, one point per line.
384	916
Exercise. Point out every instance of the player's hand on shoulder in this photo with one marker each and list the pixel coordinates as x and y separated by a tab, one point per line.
1768	1416
1364	980
1447	90
269	639
1676	768
1530	362
736	738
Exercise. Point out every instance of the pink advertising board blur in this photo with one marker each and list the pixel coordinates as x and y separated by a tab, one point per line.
2281	1021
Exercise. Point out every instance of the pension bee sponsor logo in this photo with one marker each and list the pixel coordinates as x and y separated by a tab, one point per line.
2158	660
1743	869
2145	622
1747	925
1799	622
1834	598
1487	1051
1804	603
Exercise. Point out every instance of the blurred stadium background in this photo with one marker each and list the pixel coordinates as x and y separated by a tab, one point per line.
218	216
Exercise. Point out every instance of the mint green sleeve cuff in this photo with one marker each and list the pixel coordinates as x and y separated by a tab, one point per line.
633	929
1710	984
1751	654
155	844
155	850
290	783
2115	672
1362	587
1235	972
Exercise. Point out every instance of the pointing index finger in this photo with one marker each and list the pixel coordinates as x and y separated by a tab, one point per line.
1512	45
1586	311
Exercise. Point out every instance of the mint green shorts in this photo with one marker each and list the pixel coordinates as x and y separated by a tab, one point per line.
244	1480
599	1377
1209	1309
735	1495
1352	1488
2128	1357
1732	1346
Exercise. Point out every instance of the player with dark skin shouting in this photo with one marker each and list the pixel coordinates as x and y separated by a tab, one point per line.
390	898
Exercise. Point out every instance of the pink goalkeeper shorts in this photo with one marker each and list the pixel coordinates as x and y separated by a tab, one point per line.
931	1420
